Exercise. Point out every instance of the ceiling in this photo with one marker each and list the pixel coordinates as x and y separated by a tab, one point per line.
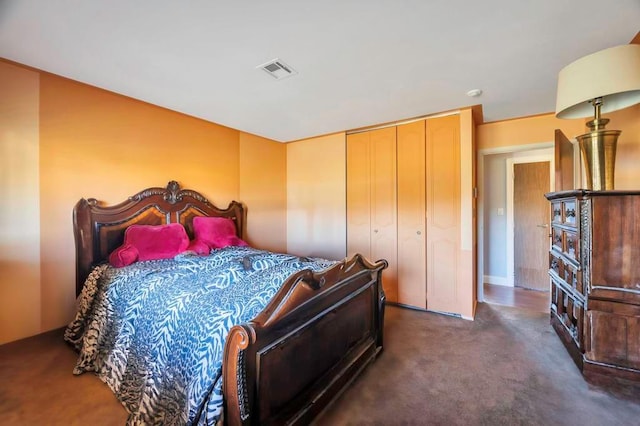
359	63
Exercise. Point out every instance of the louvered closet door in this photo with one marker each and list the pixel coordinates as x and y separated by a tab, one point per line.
384	238
443	212
412	273
358	195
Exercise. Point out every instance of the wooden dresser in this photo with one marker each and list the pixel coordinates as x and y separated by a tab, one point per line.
594	264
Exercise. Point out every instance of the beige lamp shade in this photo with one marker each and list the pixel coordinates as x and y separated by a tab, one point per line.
612	74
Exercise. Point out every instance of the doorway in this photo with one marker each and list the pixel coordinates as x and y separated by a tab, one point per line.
496	224
531	225
528	241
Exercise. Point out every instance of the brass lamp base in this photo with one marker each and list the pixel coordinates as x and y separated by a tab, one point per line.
598	149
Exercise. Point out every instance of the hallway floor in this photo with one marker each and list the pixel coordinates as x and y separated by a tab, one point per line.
517	297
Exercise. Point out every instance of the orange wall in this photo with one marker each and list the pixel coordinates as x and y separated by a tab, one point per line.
627	172
524	131
263	189
316	196
539	129
20	205
94	143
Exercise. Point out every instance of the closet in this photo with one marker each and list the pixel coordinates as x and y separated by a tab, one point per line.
406	190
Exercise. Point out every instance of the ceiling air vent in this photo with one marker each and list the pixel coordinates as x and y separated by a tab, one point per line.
278	69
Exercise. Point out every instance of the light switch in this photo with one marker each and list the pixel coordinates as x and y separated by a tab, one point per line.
500	211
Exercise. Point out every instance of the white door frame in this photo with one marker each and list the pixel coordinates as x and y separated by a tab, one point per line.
510	219
480	207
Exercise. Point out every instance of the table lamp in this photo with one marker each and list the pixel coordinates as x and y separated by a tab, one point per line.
602	82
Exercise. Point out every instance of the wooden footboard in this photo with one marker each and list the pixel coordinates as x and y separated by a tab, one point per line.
316	335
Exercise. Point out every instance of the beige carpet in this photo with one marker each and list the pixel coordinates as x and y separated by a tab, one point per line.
506	368
37	387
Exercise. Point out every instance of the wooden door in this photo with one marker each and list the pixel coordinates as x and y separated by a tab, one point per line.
443	212
563	160
412	279
371	201
384	238
359	195
531	225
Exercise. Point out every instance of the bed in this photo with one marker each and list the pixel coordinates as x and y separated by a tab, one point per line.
316	332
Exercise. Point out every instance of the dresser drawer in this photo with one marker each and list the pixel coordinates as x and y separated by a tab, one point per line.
567	273
556	239
556	212
571	243
569	311
556	264
569	212
573	277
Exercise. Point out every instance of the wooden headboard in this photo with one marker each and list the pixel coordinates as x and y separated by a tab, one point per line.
99	229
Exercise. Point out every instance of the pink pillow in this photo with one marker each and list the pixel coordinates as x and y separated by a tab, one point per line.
124	255
199	247
216	232
150	242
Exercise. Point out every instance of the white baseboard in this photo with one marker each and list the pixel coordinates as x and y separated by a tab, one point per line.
492	279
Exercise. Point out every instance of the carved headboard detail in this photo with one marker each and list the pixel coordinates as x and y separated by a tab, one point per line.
99	229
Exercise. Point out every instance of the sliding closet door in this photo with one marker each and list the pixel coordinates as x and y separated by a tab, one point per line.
443	212
412	279
384	238
371	201
358	195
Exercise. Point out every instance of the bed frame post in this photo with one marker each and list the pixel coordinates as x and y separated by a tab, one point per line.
85	250
382	300
238	400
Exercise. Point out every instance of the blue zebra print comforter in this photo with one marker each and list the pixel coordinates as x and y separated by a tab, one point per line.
154	331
